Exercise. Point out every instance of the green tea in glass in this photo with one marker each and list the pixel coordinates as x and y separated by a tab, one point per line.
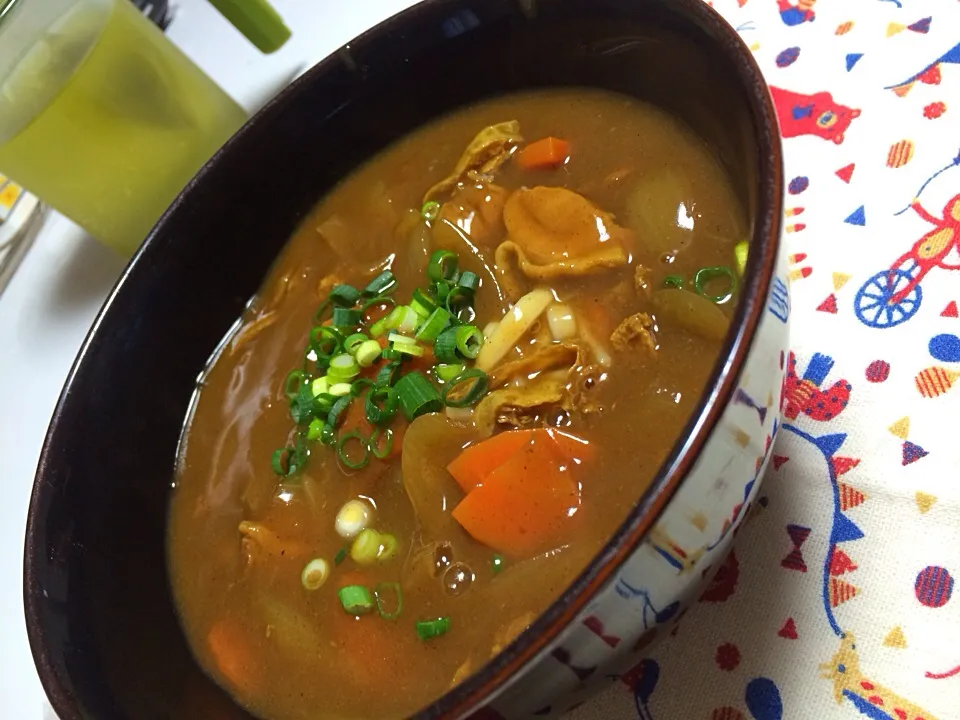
101	116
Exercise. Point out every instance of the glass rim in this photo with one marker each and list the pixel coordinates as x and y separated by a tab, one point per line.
5	7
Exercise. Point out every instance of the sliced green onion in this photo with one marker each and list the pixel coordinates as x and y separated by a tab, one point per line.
355	599
315	574
478	382
354	516
387	588
315	429
381	452
436	323
708	274
458	298
740	253
368	353
673	281
293	383
328	436
443	266
422	304
497	563
417	395
469	281
340	556
325	341
366	547
388	375
360	386
378	300
388	547
341	389
380	284
469	341
353	342
320	314
445	348
429	629
343	367
381	405
344	455
282	462
320	386
409	320
344	296
403	348
396	338
390	355
440	290
430	210
448	371
304	407
346	317
333	417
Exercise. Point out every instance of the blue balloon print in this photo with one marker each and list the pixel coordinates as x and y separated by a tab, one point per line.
763	699
945	348
649	676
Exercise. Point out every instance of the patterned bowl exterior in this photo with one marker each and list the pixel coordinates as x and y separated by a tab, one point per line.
683	550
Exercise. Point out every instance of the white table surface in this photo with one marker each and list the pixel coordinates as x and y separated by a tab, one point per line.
53	299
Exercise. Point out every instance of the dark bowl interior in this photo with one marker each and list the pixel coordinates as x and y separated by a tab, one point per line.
99	611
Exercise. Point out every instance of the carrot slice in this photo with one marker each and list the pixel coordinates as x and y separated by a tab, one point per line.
545	153
233	655
476	462
524	506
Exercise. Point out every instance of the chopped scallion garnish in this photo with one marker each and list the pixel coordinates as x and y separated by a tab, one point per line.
740	253
333	417
381	405
380	284
443	265
422	304
381	451
315	429
325	341
429	629
366	547
472	386
469	341
448	371
436	323
315	574
673	281
344	296
389	595
417	396
342	368
368	353
344	451
346	318
293	383
721	275
341	555
388	375
356	599
430	210
469	281
353	342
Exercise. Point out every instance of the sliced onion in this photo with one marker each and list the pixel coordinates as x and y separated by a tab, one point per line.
563	324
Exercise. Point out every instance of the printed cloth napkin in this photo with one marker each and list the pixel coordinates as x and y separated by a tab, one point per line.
839	600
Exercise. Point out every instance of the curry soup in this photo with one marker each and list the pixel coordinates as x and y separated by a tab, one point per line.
459	376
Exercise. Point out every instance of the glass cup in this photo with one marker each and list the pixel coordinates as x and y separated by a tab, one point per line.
101	116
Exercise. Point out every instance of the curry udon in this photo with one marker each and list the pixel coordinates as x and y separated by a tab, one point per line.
459	376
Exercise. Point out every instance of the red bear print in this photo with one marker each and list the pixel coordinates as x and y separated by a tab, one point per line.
807	395
816	114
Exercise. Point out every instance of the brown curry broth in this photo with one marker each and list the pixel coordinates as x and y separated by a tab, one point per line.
307	658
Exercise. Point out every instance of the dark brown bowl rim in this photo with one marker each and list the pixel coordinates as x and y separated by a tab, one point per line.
534	643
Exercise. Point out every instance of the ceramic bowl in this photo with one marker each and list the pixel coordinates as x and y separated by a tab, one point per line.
98	606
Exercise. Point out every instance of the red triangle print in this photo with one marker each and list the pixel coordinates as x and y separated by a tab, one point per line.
595	624
798	534
794	561
845	173
850	497
789	630
779	460
950	310
840	592
844	464
829	305
840	563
